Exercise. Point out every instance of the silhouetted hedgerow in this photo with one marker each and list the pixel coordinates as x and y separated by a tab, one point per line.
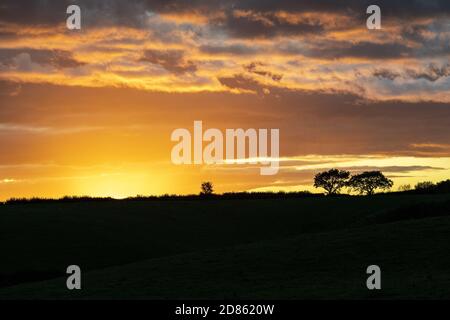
431	188
224	196
440	187
63	199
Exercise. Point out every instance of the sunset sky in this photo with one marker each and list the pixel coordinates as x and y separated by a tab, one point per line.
91	111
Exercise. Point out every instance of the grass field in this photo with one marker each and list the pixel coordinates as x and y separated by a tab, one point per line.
311	247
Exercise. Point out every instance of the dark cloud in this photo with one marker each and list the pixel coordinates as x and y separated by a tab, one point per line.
94	12
399	169
55	58
257	68
266	25
255	19
132	13
390	8
29	12
171	60
415	33
431	73
431	148
363	49
230	49
243	82
329	49
386	74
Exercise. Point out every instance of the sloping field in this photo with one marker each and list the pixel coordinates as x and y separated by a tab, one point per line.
273	248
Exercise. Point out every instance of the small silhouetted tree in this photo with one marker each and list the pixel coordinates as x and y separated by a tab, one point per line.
404	188
206	188
368	181
332	180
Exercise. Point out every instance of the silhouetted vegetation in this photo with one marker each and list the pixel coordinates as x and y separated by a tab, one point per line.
63	199
332	180
443	186
440	187
172	197
364	183
404	187
206	189
368	181
425	186
430	187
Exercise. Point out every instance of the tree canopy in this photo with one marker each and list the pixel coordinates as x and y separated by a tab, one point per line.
206	188
368	181
332	180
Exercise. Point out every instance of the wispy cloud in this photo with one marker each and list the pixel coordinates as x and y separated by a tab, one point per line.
8	128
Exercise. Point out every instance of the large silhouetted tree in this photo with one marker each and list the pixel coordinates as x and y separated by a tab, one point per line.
332	180
367	182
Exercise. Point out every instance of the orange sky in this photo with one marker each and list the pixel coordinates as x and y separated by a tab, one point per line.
90	112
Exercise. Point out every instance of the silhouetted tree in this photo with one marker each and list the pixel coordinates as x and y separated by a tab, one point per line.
206	188
443	186
424	186
404	187
368	181
332	180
